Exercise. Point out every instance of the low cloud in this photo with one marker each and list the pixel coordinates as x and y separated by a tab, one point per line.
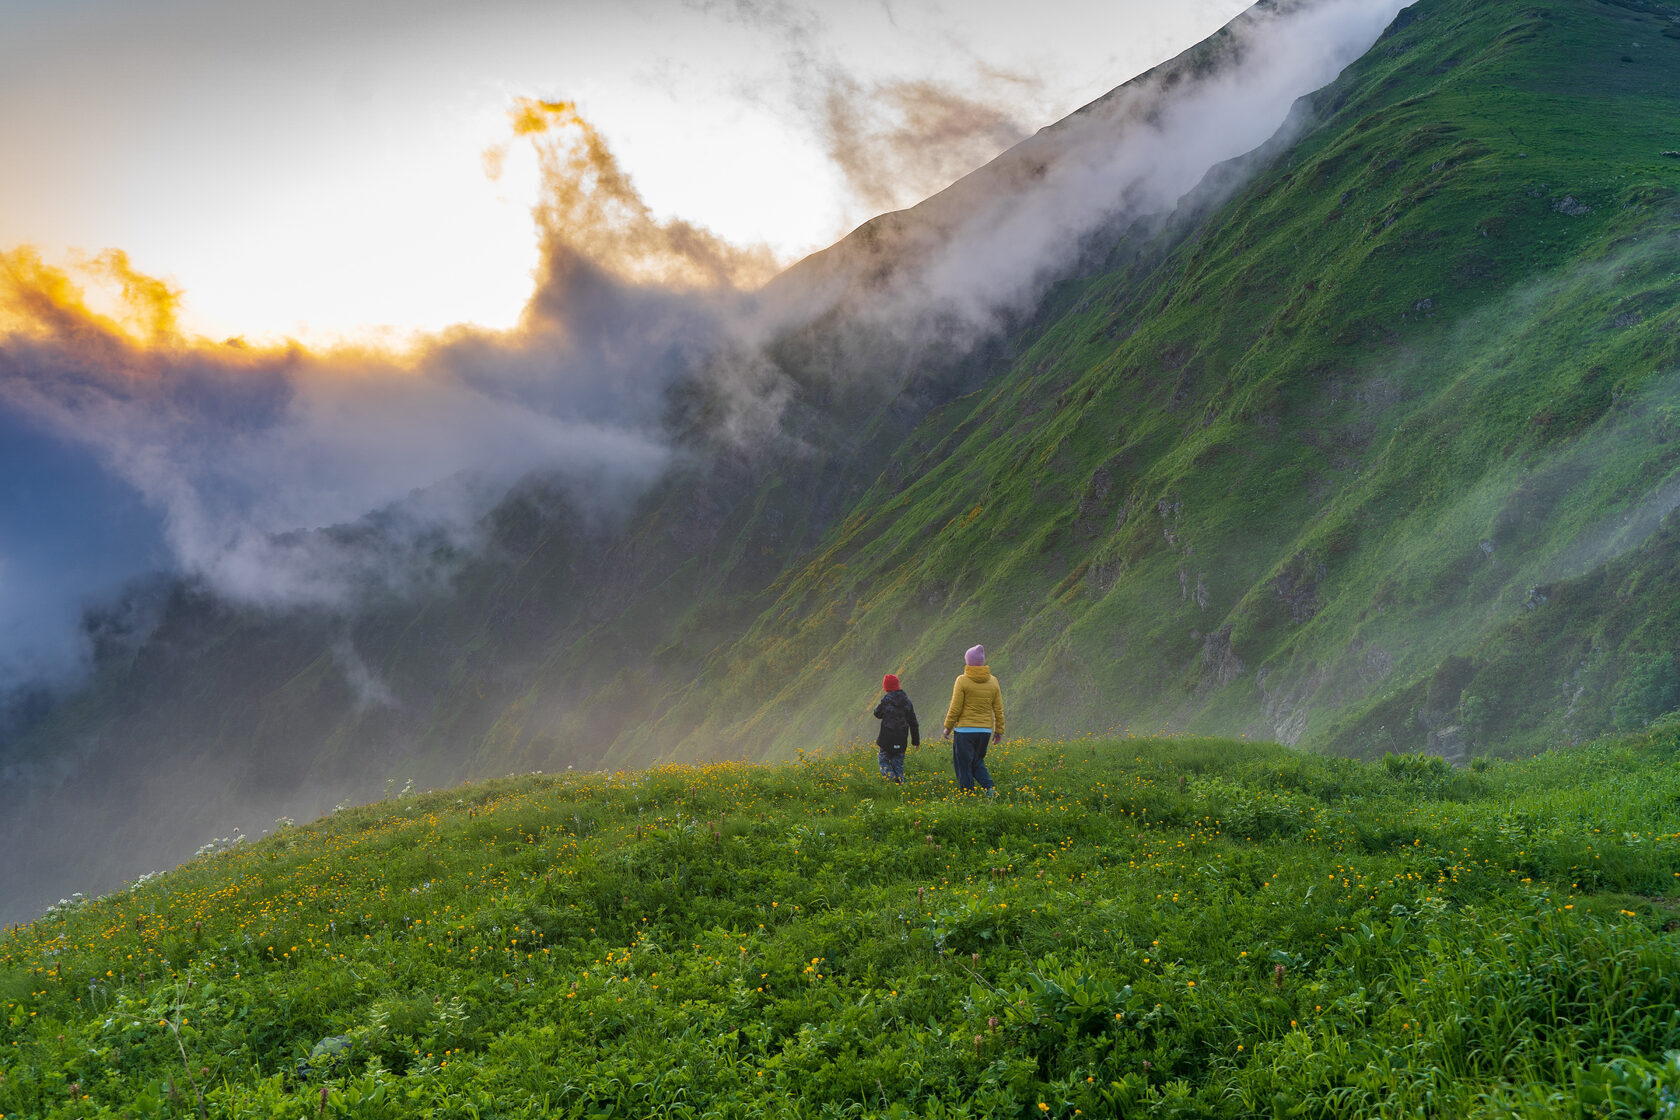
262	462
244	452
934	281
987	247
369	688
282	476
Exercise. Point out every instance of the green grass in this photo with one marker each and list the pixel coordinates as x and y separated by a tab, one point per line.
1185	926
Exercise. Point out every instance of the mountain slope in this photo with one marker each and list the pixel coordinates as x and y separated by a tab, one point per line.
1297	474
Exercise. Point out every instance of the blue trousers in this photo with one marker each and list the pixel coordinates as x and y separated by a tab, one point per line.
891	760
968	755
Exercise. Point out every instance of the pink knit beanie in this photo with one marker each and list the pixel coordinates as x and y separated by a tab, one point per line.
976	656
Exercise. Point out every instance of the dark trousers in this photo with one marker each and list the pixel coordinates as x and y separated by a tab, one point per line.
891	760
968	754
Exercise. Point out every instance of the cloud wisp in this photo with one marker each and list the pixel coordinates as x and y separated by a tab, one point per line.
894	140
987	246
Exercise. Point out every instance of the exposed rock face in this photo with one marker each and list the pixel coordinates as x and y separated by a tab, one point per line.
1096	505
1448	742
1287	706
1091	505
1375	666
1103	575
1169	510
1220	663
1297	585
1284	706
1438	715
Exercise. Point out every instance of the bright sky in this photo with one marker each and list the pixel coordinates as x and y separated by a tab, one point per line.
315	168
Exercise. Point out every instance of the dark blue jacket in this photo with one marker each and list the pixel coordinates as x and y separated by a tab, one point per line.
898	721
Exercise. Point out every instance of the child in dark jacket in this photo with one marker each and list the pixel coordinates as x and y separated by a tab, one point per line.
898	724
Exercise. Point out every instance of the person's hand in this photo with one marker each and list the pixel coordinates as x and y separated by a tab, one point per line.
997	737
945	734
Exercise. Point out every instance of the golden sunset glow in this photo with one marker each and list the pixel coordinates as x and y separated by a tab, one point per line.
589	201
576	194
361	184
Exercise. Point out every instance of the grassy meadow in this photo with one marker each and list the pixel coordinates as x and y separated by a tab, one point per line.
1133	926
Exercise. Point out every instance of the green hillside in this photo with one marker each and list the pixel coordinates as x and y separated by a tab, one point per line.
1194	927
1373	459
1374	454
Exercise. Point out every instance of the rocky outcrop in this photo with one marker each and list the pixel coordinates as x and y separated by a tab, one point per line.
1438	715
1297	586
1220	663
1284	705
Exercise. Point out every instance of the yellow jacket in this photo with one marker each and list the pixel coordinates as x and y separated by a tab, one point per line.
976	701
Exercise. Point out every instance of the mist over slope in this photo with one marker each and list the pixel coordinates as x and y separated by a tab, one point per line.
1377	457
1366	445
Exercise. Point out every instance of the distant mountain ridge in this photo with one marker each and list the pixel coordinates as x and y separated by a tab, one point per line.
1370	446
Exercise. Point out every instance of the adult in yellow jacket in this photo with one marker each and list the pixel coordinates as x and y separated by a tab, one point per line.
976	719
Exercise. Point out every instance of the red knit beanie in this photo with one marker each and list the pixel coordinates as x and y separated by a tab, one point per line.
890	682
